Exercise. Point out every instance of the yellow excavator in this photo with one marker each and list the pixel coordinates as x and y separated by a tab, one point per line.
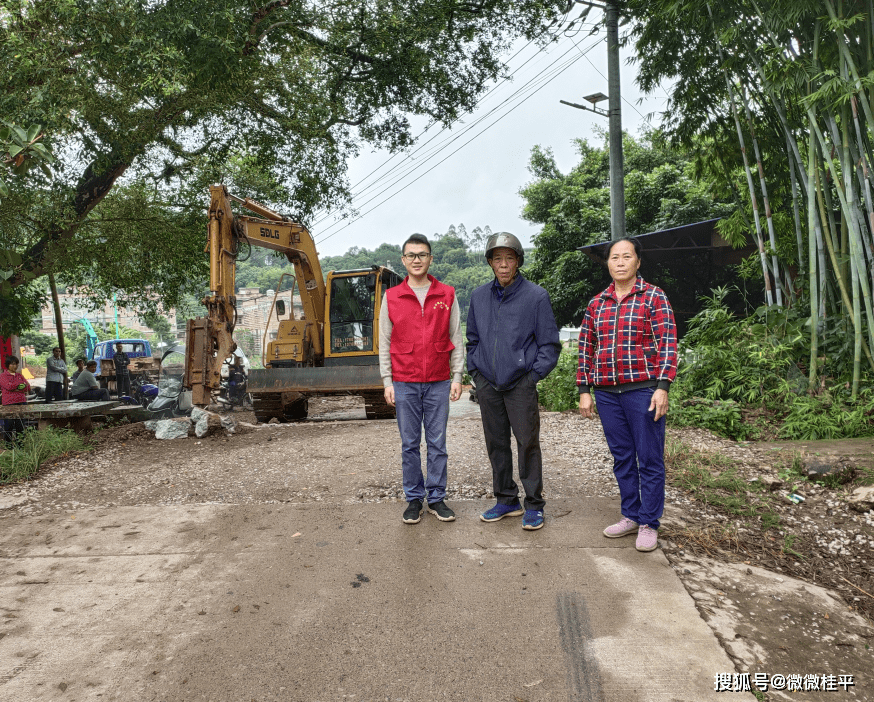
331	349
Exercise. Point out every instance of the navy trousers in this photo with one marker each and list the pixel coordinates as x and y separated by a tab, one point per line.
54	390
638	447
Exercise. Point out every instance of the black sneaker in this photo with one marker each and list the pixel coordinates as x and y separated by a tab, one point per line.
441	511
413	513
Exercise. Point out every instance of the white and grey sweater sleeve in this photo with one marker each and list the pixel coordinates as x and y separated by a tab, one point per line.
385	327
456	358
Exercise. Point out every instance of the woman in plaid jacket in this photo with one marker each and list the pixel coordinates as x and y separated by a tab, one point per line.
628	356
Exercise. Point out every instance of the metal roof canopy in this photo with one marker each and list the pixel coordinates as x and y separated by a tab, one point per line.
672	243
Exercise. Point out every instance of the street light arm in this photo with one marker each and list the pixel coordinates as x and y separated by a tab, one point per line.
603	113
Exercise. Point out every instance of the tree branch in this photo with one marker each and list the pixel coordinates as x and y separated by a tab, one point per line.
92	188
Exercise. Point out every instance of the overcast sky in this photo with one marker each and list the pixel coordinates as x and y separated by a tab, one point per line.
478	184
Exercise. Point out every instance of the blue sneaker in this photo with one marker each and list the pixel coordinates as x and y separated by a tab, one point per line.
500	511
532	520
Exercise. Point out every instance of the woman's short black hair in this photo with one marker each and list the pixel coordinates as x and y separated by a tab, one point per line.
416	239
10	360
634	241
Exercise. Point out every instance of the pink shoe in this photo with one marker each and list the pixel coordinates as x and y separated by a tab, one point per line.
623	527
647	538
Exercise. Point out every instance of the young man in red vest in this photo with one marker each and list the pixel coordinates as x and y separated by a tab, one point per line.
421	358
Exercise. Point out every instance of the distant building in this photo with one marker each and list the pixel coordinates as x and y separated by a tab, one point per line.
253	309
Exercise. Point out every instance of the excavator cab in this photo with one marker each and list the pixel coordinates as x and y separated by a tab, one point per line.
354	301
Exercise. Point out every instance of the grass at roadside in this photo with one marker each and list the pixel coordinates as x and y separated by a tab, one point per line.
733	514
712	479
34	448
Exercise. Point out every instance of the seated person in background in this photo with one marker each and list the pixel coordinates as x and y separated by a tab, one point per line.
80	366
86	388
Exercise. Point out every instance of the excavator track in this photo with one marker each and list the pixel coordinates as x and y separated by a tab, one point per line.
284	406
376	407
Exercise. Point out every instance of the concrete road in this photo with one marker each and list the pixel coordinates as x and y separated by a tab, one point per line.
343	602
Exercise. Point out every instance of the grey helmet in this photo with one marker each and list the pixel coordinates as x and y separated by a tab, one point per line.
505	240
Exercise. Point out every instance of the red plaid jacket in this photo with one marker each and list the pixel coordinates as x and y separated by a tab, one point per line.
628	342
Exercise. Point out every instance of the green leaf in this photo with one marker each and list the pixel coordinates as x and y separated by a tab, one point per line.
33	132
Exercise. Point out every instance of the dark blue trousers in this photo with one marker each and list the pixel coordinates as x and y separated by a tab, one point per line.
54	390
638	447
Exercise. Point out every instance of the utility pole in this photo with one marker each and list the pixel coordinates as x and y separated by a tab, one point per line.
617	167
614	113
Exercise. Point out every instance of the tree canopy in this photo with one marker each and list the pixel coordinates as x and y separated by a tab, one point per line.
574	209
145	103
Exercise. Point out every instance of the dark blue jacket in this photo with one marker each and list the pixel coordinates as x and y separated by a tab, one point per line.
510	337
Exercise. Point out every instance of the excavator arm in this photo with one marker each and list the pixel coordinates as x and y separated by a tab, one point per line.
210	338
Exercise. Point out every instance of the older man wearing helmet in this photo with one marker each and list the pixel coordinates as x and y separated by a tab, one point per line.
512	342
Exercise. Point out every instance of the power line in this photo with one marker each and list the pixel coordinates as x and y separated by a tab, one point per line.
543	78
400	170
417	152
555	72
624	99
426	129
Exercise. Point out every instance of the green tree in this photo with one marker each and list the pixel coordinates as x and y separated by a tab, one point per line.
159	324
42	343
776	100
20	150
148	102
574	210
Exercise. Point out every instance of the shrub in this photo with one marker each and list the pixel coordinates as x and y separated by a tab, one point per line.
829	416
729	365
722	417
32	449
558	390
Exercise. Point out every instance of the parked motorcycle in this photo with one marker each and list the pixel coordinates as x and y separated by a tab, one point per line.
234	390
140	393
171	400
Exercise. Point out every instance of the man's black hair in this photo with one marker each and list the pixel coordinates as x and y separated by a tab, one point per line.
416	239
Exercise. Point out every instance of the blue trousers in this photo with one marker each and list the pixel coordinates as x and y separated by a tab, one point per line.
421	404
638	447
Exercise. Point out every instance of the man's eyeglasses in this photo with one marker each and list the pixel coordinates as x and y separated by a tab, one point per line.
417	256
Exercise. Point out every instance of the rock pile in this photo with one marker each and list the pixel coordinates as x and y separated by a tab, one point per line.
201	423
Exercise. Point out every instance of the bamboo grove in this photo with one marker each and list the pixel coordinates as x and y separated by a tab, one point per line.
776	98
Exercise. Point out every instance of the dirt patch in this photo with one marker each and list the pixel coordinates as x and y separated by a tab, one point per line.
788	587
820	540
121	434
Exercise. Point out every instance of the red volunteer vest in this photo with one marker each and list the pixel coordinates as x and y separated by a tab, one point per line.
420	343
